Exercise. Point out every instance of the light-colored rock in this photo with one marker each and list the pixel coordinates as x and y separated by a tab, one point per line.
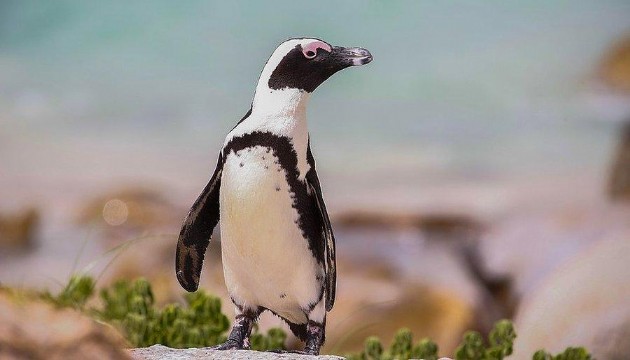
585	302
31	329
530	245
159	352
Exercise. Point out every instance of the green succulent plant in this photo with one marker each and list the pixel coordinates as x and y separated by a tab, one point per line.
130	306
571	353
498	346
76	293
402	347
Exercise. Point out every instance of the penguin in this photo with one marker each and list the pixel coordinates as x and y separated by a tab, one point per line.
277	243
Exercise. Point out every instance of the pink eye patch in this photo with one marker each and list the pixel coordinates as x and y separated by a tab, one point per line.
310	50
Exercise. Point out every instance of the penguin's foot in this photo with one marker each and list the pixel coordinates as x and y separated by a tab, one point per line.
315	338
239	336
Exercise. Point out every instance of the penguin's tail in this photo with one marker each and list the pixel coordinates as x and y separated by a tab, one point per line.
299	330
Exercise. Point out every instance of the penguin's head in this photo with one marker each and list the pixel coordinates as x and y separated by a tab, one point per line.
304	64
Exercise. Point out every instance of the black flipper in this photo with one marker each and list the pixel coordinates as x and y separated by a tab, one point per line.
196	232
326	231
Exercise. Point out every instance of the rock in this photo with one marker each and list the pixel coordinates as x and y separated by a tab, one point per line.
130	210
614	70
619	182
153	257
530	245
159	352
583	303
614	73
33	329
374	301
427	223
17	231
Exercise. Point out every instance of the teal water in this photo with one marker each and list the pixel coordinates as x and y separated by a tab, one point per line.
457	89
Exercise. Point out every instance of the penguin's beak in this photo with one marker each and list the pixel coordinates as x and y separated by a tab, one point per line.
354	56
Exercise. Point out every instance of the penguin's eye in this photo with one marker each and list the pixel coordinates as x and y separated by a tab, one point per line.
309	50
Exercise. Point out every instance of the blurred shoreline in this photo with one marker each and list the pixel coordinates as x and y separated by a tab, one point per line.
61	200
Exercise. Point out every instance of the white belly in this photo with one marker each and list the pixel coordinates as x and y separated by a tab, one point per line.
266	260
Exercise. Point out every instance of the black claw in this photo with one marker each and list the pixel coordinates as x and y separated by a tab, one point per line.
281	351
230	344
310	351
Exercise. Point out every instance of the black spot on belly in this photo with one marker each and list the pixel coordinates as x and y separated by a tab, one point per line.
283	295
241	164
277	188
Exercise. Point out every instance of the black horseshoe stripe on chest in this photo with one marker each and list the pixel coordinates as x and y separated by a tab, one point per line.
309	220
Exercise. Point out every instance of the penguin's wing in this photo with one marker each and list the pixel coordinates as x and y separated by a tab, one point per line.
196	231
315	191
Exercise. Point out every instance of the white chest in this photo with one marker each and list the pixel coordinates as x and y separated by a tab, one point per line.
266	259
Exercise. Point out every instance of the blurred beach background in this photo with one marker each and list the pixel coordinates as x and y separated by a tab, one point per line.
467	168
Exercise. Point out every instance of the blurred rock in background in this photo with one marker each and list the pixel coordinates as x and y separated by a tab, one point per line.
128	211
619	184
586	302
32	329
614	68
18	231
614	73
